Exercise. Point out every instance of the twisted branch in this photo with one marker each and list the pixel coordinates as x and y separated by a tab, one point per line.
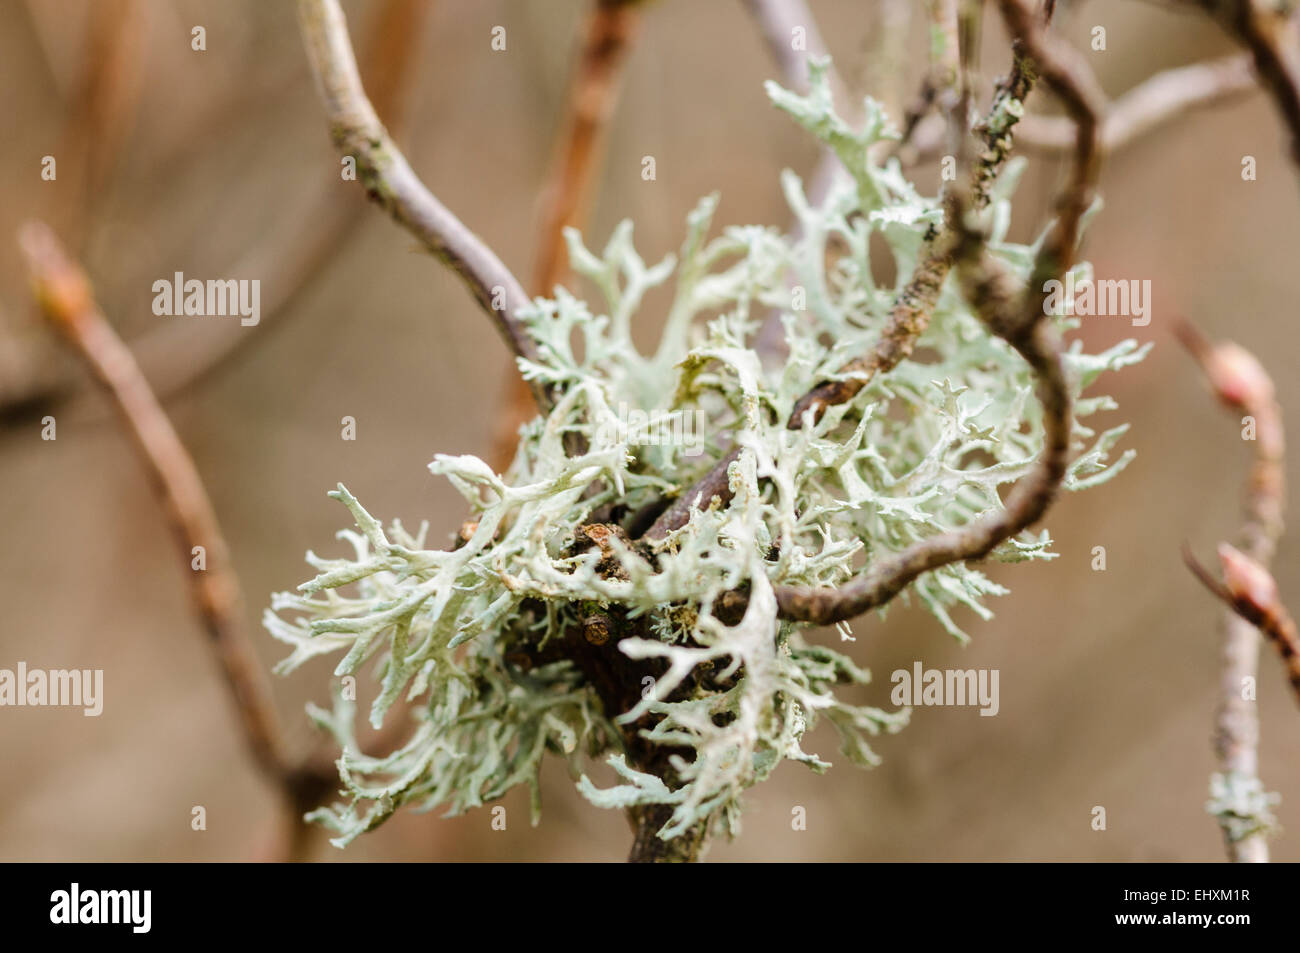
1269	32
1148	105
910	314
1020	319
389	180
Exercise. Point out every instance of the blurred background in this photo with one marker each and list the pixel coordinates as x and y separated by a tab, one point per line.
217	163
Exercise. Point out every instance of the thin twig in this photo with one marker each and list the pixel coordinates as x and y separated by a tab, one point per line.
1148	105
389	180
944	73
1017	317
102	110
777	21
1000	304
608	34
1151	104
1269	31
910	314
1251	591
65	297
1241	383
178	355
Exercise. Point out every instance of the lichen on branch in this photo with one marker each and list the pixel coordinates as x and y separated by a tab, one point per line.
556	623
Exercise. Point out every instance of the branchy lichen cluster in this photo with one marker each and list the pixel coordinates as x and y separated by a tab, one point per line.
920	450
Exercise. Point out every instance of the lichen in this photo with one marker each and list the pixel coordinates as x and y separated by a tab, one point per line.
467	634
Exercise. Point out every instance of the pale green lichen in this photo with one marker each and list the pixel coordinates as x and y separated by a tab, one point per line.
1242	806
920	450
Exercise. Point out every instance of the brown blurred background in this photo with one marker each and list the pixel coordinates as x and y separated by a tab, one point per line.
1107	678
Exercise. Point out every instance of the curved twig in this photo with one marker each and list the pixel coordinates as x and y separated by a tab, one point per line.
389	180
1269	31
1148	105
1017	317
1001	305
910	314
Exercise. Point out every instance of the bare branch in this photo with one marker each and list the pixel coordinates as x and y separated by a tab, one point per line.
1016	316
1250	591
608	34
176	356
944	73
1147	106
1242	384
389	180
910	315
67	300
777	20
1244	387
1001	305
1269	31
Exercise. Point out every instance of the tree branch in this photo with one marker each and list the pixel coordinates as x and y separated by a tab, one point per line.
176	356
777	20
1001	306
1269	32
944	73
608	35
1148	105
65	297
389	180
910	314
1242	384
1017	317
1250	591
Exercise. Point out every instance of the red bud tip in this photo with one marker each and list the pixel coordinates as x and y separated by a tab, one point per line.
1237	377
1246	579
